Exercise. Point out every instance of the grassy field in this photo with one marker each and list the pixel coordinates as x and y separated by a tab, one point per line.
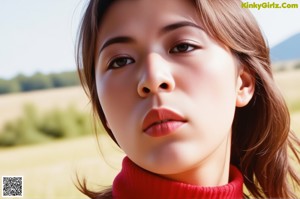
49	169
289	84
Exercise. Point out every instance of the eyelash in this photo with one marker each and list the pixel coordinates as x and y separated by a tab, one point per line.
190	47
114	65
111	64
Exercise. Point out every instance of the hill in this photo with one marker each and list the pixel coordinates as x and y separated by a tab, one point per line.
286	50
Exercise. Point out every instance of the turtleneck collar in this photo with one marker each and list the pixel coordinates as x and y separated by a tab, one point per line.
134	182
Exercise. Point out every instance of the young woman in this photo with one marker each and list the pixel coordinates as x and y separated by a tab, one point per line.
185	88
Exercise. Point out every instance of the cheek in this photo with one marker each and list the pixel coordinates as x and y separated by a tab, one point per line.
117	100
213	79
211	86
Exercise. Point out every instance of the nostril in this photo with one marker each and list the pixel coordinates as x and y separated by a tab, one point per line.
164	86
146	90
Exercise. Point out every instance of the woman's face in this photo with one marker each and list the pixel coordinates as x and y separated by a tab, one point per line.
167	89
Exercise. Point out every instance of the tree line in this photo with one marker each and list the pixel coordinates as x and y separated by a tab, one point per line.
22	83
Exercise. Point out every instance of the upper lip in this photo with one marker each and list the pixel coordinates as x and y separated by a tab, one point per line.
157	116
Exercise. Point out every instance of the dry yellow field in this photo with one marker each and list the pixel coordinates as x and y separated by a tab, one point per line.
48	169
289	84
11	105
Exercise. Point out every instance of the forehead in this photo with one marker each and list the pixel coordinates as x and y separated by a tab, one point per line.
126	15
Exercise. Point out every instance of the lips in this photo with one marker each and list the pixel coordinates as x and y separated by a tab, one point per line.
160	122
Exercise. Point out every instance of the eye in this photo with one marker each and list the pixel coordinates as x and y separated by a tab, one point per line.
120	62
183	48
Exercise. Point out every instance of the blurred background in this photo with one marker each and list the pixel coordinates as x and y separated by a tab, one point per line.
46	127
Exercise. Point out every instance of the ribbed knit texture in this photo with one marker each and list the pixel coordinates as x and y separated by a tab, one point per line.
134	182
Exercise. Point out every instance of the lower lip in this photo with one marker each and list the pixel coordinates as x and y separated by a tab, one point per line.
163	129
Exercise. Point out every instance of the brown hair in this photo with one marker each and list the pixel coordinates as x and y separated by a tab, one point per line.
261	135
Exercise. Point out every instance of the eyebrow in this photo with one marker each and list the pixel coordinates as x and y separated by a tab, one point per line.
114	40
180	24
168	28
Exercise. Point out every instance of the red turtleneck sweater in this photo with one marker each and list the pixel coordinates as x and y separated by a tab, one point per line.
134	182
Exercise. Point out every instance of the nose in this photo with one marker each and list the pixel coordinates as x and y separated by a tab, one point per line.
156	76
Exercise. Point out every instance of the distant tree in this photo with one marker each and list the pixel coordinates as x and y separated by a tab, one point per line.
35	82
19	78
38	81
64	79
297	65
9	86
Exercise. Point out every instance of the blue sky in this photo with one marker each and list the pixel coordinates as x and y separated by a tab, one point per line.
39	35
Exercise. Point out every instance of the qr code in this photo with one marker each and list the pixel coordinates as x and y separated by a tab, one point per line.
12	186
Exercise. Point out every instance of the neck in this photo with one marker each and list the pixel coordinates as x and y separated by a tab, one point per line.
208	176
213	171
